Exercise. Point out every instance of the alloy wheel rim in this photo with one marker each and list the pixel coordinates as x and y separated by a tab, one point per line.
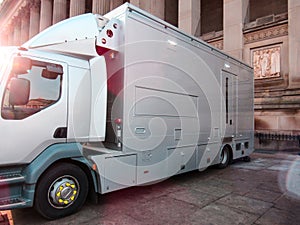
63	192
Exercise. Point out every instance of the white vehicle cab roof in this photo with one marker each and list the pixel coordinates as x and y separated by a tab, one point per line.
75	36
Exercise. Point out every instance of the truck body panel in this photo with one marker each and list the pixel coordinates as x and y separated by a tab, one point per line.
175	112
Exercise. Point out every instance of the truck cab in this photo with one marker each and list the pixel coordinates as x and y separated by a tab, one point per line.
51	101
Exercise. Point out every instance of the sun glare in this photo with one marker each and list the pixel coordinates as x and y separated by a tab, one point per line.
5	53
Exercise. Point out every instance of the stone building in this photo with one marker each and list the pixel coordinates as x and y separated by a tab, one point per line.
264	34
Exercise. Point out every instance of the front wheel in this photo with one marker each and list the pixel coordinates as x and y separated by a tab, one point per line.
61	191
225	158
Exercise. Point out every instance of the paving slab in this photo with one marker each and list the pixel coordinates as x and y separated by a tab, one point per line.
163	210
209	189
270	186
280	167
263	195
218	214
114	219
197	198
217	181
278	217
289	204
245	204
237	175
266	176
243	187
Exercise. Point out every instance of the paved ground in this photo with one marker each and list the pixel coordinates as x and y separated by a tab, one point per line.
262	192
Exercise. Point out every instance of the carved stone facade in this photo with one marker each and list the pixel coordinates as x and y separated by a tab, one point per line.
268	38
266	62
219	44
267	33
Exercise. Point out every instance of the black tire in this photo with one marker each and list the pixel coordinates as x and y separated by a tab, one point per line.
225	158
61	191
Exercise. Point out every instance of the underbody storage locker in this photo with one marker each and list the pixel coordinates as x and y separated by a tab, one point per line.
115	171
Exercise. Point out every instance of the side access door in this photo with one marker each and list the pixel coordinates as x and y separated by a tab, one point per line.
229	90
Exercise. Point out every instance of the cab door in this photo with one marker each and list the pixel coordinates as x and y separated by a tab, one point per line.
33	109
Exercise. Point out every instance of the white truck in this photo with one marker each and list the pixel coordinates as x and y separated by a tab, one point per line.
96	103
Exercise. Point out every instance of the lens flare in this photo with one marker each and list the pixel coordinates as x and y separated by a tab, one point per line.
5	55
293	178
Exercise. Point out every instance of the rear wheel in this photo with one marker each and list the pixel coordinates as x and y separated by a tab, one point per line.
61	191
225	158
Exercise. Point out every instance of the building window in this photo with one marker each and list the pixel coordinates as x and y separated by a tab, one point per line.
88	6
262	8
211	16
171	12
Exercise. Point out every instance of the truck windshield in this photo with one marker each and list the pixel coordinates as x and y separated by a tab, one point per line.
29	93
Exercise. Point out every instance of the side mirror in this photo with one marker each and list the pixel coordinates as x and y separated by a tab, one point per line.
21	65
49	74
19	91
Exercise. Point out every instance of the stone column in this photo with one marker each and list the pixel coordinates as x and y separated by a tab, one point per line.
59	10
10	32
4	39
294	43
155	7
46	14
115	3
24	25
77	7
233	22
145	5
101	6
158	8
135	2
189	16
34	24
17	31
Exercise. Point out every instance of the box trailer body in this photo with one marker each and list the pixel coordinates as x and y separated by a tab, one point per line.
116	101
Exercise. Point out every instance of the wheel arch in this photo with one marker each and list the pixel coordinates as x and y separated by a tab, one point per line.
81	163
91	175
58	153
230	151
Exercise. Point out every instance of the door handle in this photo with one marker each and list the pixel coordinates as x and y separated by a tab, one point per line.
60	132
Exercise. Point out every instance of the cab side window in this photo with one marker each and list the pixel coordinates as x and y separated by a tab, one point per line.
28	93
